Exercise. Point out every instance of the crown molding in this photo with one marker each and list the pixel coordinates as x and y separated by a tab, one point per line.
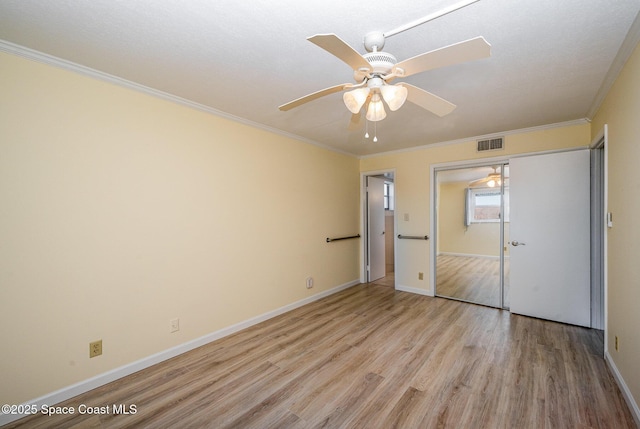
623	54
482	137
31	54
626	49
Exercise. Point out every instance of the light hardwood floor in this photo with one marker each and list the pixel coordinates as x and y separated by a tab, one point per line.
473	279
374	357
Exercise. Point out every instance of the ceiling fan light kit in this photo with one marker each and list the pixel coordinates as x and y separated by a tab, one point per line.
492	180
374	71
375	111
394	96
355	99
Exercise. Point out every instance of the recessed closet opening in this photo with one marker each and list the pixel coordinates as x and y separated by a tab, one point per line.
472	232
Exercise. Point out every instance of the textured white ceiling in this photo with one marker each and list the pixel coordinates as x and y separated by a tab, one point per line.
549	58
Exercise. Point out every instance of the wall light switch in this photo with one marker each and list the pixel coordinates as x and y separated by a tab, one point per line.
406	217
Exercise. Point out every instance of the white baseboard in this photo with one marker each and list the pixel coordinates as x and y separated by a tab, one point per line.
109	376
628	397
413	290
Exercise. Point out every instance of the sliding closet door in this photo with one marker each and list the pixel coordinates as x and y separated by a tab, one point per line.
550	249
469	237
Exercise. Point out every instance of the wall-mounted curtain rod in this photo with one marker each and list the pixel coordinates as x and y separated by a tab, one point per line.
413	237
329	240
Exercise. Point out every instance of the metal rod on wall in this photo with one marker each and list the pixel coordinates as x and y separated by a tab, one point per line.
413	237
329	240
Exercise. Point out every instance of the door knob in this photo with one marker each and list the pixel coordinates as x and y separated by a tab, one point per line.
517	243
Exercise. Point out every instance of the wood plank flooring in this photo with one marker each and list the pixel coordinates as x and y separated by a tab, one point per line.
472	279
373	357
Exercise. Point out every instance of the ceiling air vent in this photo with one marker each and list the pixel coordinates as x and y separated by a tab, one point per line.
490	144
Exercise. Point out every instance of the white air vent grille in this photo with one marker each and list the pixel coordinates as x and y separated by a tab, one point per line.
490	144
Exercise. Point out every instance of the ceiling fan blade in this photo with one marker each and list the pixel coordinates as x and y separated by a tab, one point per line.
472	49
339	48
299	101
478	182
428	101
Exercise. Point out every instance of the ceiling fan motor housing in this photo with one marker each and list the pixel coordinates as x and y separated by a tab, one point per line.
381	64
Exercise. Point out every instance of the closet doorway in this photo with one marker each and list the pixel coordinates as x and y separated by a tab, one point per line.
472	229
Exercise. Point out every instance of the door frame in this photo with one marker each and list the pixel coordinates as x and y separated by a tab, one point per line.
364	226
600	142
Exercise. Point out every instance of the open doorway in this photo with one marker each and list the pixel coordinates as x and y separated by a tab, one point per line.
472	227
379	228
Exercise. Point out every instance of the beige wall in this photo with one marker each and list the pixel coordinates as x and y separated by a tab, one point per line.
480	239
621	111
413	184
121	211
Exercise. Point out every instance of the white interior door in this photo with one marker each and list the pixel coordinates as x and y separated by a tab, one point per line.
550	247
375	231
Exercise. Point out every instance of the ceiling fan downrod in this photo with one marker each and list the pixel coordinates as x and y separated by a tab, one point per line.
428	18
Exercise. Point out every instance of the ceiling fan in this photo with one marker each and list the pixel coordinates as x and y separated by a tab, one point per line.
492	180
375	70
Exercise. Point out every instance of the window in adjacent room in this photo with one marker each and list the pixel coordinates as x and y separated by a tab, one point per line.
483	205
388	195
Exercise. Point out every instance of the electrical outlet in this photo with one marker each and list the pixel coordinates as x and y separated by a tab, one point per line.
95	349
309	282
420	276
616	345
174	325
